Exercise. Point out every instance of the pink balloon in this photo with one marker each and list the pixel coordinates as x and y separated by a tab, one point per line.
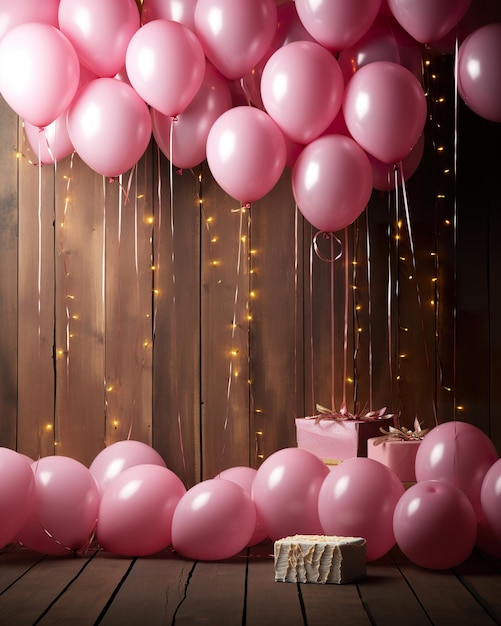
17	488
135	514
52	143
246	153
165	64
182	11
235	35
332	182
285	492
337	25
435	525
479	60
119	456
39	72
14	14
109	126
384	174
490	497
244	477
302	89
66	502
488	540
459	454
428	20
191	127
358	499
385	110
214	520
99	31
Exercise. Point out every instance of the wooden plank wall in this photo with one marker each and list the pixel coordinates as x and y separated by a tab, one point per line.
157	307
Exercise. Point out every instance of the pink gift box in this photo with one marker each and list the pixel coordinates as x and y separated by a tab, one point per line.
334	440
399	455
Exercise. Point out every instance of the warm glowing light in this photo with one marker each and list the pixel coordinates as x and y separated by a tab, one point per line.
234	352
48	427
109	388
149	219
115	423
440	148
252	294
460	407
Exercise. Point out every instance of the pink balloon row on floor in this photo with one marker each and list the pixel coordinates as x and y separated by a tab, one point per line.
349	71
136	506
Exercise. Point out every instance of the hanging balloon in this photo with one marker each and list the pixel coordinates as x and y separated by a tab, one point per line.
302	89
51	143
235	34
332	182
479	63
165	64
99	31
384	174
191	128
182	12
246	153
385	110
39	72
337	25
14	14
109	126
17	487
428	20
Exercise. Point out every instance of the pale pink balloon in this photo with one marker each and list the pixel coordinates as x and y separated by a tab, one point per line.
235	35
214	520
17	489
385	110
13	14
332	182
244	477
479	62
246	153
66	502
119	456
428	20
190	128
182	11
435	525
99	31
165	64
490	497
337	25
285	492
39	72
384	174
51	143
109	126
459	454
358	498
302	89
136	509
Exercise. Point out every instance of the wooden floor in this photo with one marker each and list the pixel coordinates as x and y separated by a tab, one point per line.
165	589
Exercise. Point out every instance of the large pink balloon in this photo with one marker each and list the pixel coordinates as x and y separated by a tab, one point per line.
479	63
119	456
136	509
358	499
235	34
244	477
182	11
100	31
191	127
52	143
165	64
385	110
337	25
214	520
17	488
490	497
39	72
384	173
66	502
14	14
435	525
109	126
285	492
428	20
246	153
332	182
457	453
302	89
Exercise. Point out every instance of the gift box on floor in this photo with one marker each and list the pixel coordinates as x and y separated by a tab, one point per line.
337	436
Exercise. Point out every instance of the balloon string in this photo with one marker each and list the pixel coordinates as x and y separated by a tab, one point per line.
103	299
346	309
455	227
296	296
312	382
333	328
389	294
369	305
